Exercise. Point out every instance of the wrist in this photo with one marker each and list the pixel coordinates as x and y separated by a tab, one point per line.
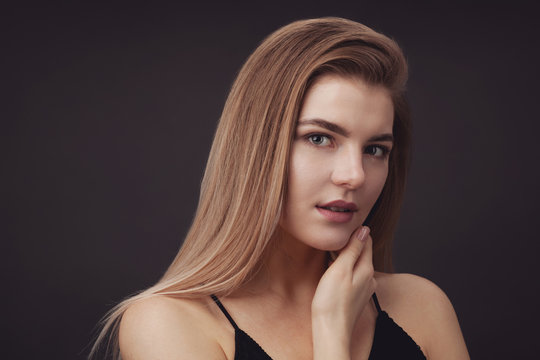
329	340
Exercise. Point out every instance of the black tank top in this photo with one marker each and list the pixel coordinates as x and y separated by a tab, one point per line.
390	341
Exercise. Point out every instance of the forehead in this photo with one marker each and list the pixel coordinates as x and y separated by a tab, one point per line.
348	101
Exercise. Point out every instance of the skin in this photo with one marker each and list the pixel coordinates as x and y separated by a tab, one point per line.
327	166
298	306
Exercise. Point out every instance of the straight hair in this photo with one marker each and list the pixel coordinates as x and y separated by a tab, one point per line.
245	182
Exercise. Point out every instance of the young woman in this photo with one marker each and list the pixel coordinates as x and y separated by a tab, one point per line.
298	205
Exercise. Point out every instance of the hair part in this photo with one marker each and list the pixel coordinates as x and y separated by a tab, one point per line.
245	182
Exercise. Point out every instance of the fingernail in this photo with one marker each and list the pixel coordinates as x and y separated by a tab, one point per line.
362	235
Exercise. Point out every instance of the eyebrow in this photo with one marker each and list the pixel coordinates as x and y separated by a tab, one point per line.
341	131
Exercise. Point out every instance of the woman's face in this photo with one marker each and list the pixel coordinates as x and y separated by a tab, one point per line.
339	160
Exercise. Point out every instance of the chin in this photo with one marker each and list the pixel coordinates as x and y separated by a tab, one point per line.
334	244
323	239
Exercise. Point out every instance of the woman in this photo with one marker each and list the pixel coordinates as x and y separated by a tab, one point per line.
313	143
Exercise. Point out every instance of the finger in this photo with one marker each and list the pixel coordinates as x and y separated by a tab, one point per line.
364	265
366	256
354	248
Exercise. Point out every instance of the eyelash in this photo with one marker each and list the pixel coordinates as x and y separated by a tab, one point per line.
310	136
385	149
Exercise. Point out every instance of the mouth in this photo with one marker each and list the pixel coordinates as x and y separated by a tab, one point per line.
337	211
334	208
339	206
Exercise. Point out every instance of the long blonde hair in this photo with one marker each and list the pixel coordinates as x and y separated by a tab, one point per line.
245	182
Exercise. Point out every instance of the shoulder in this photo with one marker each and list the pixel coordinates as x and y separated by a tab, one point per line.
412	301
398	290
169	328
424	311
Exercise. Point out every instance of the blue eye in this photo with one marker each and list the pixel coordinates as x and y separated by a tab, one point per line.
319	140
377	150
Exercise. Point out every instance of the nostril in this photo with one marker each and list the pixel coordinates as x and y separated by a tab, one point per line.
351	176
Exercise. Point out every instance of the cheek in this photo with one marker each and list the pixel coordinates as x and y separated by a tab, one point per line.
305	162
375	187
303	186
306	176
380	181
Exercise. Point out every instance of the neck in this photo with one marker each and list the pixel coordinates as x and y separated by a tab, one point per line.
291	271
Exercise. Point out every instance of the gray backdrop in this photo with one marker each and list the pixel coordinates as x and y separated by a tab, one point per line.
109	111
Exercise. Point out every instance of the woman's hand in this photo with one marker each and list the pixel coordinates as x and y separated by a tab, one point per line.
342	293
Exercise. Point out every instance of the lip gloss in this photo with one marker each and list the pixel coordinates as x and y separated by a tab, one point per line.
336	216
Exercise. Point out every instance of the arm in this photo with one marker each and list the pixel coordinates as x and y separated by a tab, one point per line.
445	339
165	328
342	293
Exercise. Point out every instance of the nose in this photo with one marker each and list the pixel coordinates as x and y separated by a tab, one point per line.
348	169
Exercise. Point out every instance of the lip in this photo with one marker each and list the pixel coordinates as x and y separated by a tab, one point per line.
337	216
340	204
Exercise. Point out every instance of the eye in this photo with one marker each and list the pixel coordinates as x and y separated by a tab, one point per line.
319	139
377	150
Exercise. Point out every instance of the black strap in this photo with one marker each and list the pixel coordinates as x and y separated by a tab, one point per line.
224	311
376	301
222	308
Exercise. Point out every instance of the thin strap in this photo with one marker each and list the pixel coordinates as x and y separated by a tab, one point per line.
222	308
376	301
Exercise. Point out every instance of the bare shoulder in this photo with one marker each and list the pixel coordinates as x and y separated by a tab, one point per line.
407	290
424	311
170	328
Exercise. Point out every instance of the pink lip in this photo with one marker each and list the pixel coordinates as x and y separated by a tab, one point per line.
340	204
338	216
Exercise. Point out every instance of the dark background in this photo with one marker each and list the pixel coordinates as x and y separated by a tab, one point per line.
109	111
